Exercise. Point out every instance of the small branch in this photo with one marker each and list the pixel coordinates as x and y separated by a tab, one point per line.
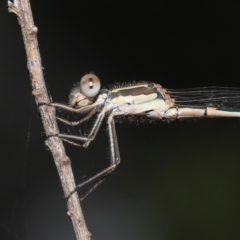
29	31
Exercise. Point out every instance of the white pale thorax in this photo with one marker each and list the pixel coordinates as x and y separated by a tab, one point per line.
135	105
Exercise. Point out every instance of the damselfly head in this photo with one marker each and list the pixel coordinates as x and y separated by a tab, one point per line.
84	92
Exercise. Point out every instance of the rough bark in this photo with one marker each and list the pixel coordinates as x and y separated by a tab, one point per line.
29	31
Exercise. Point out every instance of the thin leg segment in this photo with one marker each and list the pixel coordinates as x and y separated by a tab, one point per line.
76	110
91	136
75	123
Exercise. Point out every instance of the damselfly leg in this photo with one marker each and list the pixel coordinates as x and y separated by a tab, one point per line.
115	156
75	123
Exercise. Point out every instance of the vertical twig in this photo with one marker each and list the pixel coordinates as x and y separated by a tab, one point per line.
29	31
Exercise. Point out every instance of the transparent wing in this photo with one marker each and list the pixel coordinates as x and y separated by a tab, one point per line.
220	97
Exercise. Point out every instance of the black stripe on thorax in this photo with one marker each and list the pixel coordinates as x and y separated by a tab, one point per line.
134	91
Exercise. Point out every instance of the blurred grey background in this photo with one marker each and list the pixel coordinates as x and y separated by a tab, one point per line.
177	180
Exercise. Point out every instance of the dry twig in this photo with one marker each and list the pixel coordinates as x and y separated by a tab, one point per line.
29	31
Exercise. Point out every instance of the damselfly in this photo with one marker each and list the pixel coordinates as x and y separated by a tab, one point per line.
143	99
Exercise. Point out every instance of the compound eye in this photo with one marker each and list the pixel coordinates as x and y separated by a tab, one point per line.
90	85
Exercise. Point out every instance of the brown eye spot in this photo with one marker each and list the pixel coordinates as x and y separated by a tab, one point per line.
90	85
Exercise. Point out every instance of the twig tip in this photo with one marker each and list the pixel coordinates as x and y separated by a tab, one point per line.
12	7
